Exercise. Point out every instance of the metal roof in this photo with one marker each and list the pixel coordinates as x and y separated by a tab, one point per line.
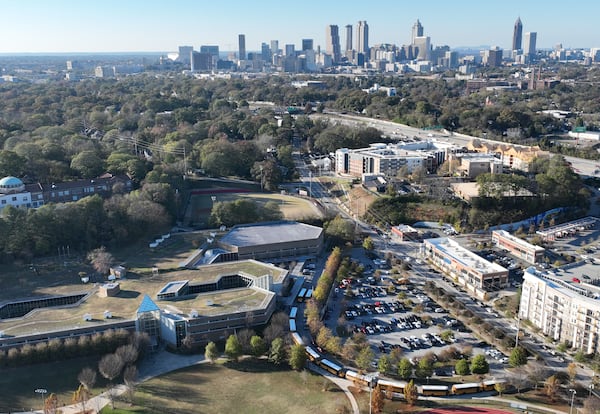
270	233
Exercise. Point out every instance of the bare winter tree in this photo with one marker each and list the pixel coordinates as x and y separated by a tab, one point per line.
518	378
130	378
101	260
87	378
244	336
110	367
537	373
128	354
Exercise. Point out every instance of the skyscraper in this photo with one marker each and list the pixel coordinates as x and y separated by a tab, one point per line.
332	42
530	39
517	35
290	50
265	52
362	37
274	47
242	46
422	47
417	31
348	37
185	54
307	44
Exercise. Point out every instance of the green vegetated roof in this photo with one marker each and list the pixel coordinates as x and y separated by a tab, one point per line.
137	296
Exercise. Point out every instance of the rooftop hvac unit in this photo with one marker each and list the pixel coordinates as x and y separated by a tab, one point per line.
193	313
87	317
107	314
209	302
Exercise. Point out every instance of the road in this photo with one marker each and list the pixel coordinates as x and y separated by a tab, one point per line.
315	190
584	167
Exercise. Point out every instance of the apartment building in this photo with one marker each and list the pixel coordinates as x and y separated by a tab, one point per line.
388	159
563	309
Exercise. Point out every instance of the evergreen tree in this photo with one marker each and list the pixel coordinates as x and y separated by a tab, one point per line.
233	349
479	365
297	357
517	357
211	352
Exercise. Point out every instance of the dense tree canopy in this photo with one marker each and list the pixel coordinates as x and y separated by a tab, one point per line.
156	128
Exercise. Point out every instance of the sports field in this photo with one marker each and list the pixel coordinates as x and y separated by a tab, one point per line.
292	207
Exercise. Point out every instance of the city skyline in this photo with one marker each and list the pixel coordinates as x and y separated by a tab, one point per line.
71	26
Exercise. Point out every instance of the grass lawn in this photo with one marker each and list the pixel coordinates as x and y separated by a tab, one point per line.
247	387
399	406
17	385
293	208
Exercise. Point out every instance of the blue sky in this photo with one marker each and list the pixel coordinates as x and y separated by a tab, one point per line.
34	26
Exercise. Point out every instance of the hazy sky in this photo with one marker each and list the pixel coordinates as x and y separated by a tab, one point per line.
32	26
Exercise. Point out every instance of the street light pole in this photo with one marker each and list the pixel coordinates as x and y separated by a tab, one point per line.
41	391
573	393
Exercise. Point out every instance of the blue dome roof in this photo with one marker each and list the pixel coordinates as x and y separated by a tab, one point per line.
11	185
10	182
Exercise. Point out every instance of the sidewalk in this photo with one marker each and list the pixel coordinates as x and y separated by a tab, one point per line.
340	382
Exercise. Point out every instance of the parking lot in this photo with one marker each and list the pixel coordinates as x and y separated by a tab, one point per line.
414	324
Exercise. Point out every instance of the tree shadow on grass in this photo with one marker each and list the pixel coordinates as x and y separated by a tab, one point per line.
186	394
255	365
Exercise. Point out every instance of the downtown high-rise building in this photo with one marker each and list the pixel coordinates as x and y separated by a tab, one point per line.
290	50
517	35
529	41
417	31
185	54
307	44
242	47
348	37
422	47
274	47
332	42
265	52
362	37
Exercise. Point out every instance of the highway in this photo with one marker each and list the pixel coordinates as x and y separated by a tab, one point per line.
583	167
